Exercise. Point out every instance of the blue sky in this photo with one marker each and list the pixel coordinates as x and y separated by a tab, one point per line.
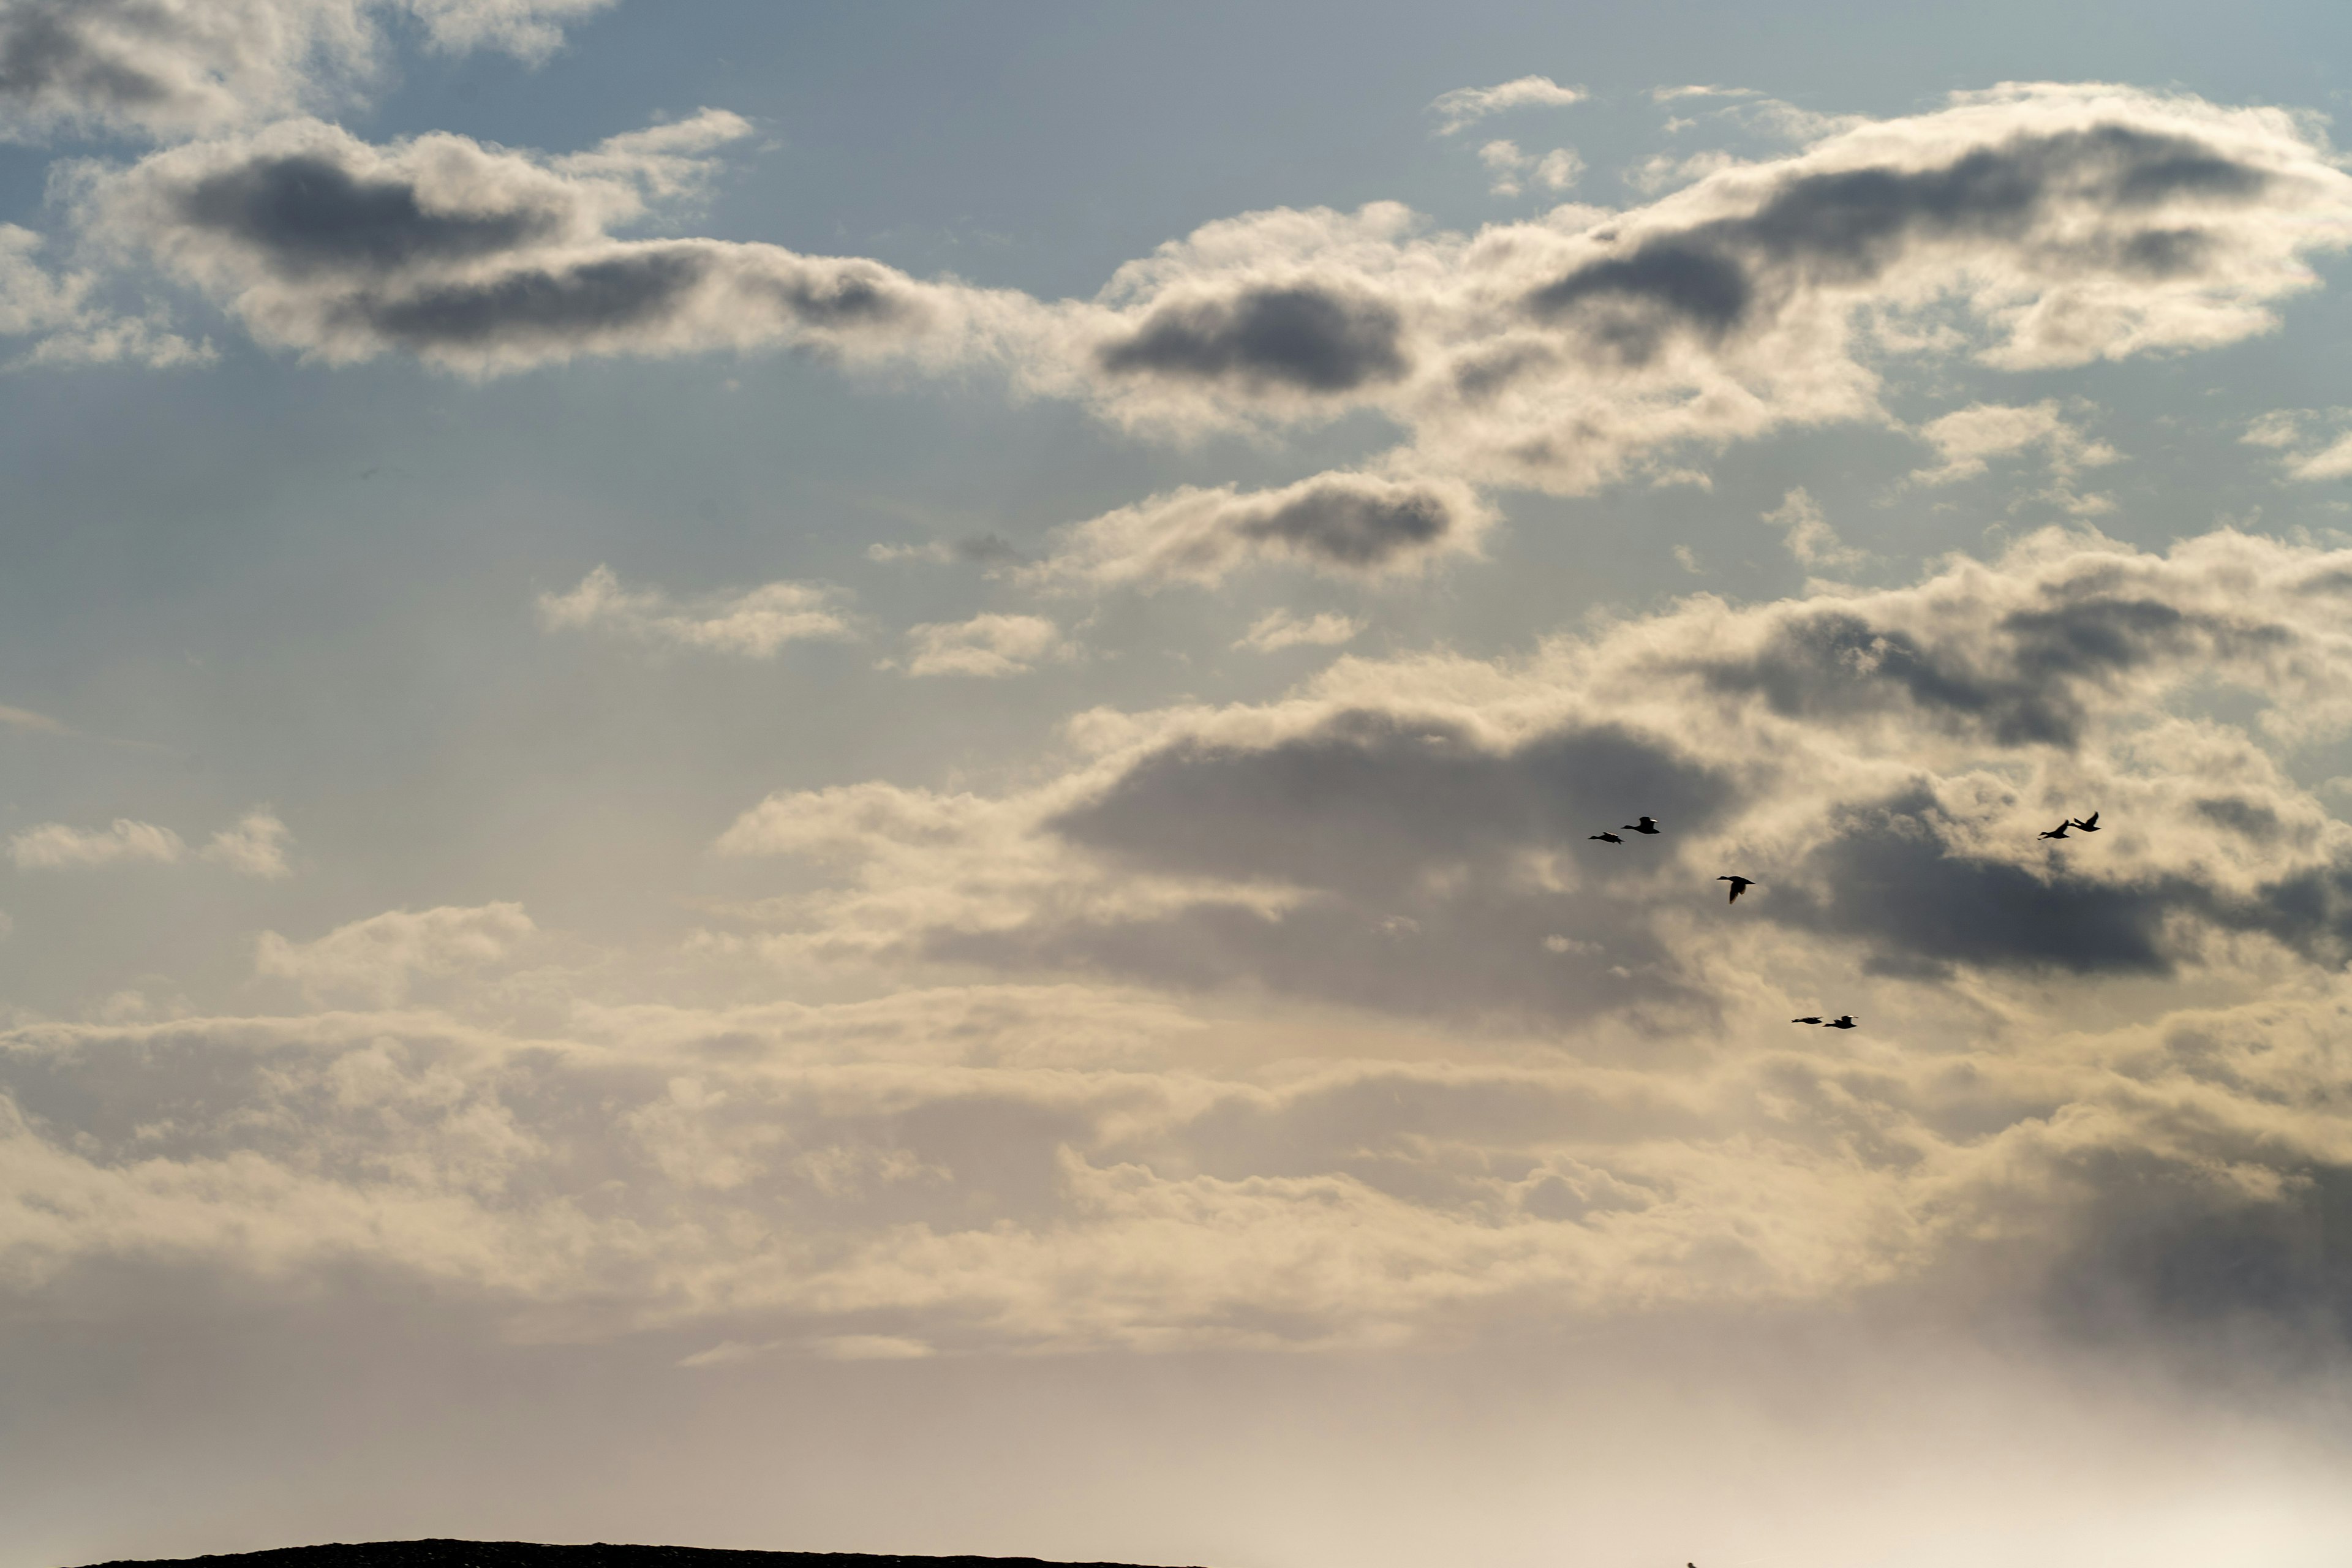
731	730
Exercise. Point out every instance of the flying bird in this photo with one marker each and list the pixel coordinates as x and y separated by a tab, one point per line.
2057	832
1813	1020
1842	1021
2087	824
1647	825
1739	886
1605	837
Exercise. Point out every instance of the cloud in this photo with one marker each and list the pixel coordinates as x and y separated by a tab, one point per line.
2282	430
60	312
1865	750
1557	170
753	624
483	259
2033	227
255	846
1279	629
1808	533
167	68
53	846
1320	1022
1340	524
986	646
1467	105
1299	338
380	958
1966	438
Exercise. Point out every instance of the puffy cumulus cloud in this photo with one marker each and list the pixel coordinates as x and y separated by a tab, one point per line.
167	68
2036	227
255	846
1341	524
482	259
1280	629
380	958
1467	105
1409	833
753	624
986	646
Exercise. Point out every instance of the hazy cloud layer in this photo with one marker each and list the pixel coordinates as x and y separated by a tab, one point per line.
378	959
165	68
1505	1071
753	624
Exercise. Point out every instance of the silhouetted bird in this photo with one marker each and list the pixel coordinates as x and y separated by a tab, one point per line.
1605	837
2087	824
1813	1020
2057	832
1647	825
1842	1021
1739	886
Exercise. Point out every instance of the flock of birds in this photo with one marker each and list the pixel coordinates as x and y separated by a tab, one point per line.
1649	826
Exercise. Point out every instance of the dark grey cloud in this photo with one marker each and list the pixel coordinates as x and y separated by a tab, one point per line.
1350	528
1889	878
1304	337
558	305
306	213
2031	677
1370	803
482	259
1846	229
1341	522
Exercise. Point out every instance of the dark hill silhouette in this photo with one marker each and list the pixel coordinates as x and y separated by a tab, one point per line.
529	1555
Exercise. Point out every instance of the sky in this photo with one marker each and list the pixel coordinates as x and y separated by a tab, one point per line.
822	777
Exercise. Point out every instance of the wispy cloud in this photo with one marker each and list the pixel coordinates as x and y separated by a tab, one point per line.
753	624
1468	105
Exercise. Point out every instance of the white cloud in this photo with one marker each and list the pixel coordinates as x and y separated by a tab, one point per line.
2284	431
1467	105
1279	629
256	846
60	313
380	958
167	68
986	646
753	624
1966	438
1808	533
55	845
1508	168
